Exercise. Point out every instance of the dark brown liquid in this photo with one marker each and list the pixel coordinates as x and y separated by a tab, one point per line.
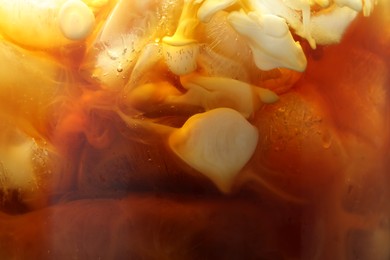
109	189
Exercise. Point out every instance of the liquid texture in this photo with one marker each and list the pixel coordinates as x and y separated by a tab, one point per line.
234	129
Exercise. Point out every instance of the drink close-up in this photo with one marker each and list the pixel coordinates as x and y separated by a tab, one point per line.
195	129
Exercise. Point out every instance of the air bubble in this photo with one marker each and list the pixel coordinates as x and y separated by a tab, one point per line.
327	140
119	68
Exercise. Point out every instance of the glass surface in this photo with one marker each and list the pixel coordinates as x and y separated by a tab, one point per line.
247	129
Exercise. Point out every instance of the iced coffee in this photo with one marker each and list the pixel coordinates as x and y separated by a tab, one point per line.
195	129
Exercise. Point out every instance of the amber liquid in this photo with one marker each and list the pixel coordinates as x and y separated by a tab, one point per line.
110	189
